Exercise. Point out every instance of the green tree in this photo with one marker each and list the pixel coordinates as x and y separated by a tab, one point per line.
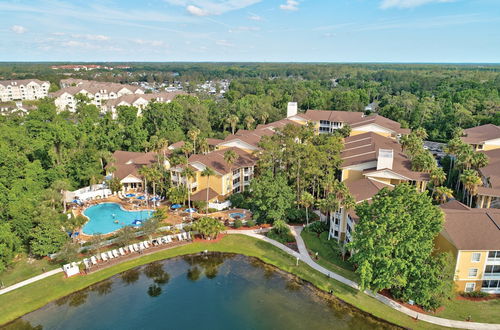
233	121
125	236
9	245
208	172
69	252
47	238
307	200
442	194
208	227
394	243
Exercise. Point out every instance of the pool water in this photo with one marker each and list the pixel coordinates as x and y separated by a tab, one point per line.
237	215
103	218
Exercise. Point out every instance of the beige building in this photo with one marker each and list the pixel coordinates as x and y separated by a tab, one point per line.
473	238
488	194
27	89
126	168
140	101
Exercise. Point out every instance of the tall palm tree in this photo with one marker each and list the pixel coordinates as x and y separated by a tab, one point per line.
193	135
203	146
307	200
208	172
230	157
105	157
421	133
249	122
479	160
233	121
187	148
443	194
263	117
189	174
437	176
471	181
60	186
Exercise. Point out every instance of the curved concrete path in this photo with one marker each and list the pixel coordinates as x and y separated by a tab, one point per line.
31	280
304	256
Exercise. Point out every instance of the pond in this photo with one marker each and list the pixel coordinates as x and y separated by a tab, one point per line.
105	218
215	291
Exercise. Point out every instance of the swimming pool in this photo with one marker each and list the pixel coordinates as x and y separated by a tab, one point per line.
103	218
237	215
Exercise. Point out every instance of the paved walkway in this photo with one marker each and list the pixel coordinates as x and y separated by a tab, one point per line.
31	280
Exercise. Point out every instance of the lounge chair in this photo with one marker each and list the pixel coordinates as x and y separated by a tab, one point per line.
93	259
169	238
155	242
185	235
122	252
110	255
104	257
136	247
86	262
179	237
131	248
189	235
115	253
141	246
146	244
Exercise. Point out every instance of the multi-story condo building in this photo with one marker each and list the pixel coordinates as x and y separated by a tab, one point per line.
484	137
228	179
27	89
488	193
140	101
473	238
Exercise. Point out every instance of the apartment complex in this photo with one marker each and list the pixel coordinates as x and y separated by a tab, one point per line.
27	89
126	166
228	178
473	238
489	193
140	101
484	137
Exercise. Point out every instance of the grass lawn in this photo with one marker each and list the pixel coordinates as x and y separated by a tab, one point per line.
23	268
328	258
480	311
36	295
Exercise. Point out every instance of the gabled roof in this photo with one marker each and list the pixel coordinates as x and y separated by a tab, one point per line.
215	160
492	173
19	82
128	163
364	189
383	122
331	115
472	229
202	195
480	134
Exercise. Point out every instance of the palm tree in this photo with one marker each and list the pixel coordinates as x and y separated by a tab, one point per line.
233	121
443	194
203	146
187	148
307	200
249	122
208	172
471	180
188	175
193	135
60	186
437	177
230	157
263	117
421	133
479	160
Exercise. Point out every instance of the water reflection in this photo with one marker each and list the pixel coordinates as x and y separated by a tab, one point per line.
154	290
102	288
207	264
74	300
131	276
21	324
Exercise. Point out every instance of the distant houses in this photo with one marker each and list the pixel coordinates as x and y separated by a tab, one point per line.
26	89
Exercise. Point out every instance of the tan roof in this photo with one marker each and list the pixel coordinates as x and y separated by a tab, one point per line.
492	173
95	87
366	188
21	82
128	162
364	148
381	121
331	115
202	195
472	229
480	134
215	160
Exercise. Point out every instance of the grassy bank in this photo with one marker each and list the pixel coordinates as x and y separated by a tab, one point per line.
455	309
36	295
24	268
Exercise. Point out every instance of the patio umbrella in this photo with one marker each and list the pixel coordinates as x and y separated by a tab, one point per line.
191	210
137	222
154	199
176	206
129	195
141	198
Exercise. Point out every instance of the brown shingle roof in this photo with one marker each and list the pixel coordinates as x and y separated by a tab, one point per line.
473	229
202	195
479	134
215	160
381	121
364	189
330	115
128	162
20	82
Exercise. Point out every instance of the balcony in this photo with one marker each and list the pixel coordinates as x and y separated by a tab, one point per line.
491	276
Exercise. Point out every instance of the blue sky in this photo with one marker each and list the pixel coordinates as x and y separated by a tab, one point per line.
251	30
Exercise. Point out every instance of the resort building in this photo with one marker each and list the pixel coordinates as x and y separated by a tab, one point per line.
488	194
126	166
473	238
27	89
484	137
228	178
140	101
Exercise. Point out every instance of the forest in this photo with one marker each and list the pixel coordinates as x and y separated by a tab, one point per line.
45	151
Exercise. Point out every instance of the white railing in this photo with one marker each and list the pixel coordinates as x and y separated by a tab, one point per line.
220	206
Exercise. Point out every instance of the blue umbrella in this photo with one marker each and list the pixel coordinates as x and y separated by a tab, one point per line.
137	222
154	199
176	206
129	195
191	210
141	198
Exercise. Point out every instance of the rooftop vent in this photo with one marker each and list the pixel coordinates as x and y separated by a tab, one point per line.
385	159
291	109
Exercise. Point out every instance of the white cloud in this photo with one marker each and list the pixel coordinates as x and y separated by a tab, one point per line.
291	5
254	17
18	29
244	28
153	43
94	37
224	43
212	7
408	3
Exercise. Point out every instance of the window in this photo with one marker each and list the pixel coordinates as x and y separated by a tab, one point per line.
476	257
472	272
494	255
469	287
492	270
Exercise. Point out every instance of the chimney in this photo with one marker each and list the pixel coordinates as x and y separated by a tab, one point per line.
385	159
291	109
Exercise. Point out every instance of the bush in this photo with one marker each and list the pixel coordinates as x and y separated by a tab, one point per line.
250	223
238	223
201	206
212	210
281	232
317	227
240	200
295	215
475	294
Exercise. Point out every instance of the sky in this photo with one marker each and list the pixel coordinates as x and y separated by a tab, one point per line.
251	30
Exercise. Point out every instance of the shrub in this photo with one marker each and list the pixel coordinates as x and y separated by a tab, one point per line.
250	223
475	294
238	223
295	215
281	232
211	210
240	200
201	206
317	227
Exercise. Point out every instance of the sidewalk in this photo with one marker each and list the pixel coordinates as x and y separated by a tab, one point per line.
31	280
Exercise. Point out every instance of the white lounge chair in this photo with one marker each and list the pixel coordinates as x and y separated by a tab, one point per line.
185	235
189	235
86	262
141	246
93	259
104	257
136	247
110	255
156	241
146	244
122	251
169	238
130	248
179	237
115	253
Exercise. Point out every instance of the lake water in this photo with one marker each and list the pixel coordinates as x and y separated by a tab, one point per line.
105	218
218	291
